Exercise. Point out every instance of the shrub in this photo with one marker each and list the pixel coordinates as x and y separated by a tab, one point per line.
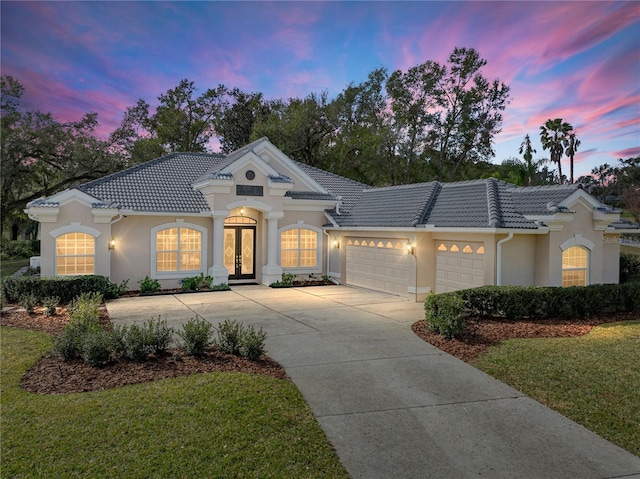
70	343
445	314
85	307
220	287
148	285
252	346
136	344
66	288
190	284
196	335
95	347
629	267
28	301
230	335
158	335
18	249
114	290
117	340
50	304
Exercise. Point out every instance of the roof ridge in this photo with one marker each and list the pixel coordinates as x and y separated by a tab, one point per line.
427	205
402	186
493	203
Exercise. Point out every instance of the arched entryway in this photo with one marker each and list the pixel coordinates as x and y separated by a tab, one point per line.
240	247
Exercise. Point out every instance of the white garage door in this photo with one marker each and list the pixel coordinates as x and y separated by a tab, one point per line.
459	265
380	264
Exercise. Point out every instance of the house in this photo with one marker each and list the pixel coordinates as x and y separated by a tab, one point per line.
255	214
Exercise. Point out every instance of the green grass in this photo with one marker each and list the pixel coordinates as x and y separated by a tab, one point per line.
204	425
593	379
10	266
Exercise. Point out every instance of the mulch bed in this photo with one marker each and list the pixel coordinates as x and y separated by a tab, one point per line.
53	375
482	333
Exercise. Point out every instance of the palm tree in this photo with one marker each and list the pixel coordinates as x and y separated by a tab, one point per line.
528	150
552	135
571	144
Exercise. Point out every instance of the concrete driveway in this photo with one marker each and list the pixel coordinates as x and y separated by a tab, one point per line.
393	405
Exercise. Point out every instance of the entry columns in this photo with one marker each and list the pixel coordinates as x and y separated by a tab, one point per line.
218	271
272	271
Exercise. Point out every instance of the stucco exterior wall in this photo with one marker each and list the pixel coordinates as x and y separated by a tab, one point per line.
519	260
611	258
74	214
132	256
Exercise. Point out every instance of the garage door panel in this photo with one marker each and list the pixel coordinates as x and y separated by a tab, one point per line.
377	264
459	265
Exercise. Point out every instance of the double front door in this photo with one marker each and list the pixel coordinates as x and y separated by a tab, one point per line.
239	251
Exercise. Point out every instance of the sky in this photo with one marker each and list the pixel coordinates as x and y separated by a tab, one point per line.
579	61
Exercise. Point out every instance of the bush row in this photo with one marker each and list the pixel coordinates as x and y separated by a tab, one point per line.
84	338
446	313
65	288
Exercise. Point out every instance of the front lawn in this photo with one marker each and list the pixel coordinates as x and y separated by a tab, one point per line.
10	266
592	379
203	425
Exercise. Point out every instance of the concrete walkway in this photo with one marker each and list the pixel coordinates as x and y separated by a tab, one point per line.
393	405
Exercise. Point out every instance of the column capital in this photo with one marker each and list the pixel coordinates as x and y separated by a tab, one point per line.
275	215
219	214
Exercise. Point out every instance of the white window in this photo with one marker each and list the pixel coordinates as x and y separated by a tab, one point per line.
575	266
299	248
178	250
75	254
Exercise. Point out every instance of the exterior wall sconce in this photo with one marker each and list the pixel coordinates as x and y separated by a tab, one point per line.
411	249
336	244
112	243
242	211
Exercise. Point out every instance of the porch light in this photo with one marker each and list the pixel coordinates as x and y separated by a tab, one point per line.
410	248
336	243
112	243
242	211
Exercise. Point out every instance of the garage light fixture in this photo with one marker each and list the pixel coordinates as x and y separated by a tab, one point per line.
336	243
411	249
112	243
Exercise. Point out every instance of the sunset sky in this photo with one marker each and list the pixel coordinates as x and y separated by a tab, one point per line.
576	60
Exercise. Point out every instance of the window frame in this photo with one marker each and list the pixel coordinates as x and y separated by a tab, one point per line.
56	255
581	268
319	245
178	274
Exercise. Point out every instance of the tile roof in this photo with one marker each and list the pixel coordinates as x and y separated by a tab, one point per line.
624	225
542	199
160	185
347	189
391	206
309	195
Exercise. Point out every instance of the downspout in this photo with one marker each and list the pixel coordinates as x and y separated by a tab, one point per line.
328	250
499	257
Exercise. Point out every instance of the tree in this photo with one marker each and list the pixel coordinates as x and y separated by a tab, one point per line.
571	144
362	145
237	118
41	156
527	151
553	135
447	114
300	128
182	122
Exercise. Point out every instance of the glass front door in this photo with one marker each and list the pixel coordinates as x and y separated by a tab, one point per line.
239	248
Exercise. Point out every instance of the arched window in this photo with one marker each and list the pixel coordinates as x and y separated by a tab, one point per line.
299	248
575	266
178	248
75	254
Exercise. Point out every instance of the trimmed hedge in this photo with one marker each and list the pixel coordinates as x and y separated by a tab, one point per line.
446	316
65	288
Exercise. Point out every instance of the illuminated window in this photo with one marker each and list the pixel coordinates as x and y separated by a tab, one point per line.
75	254
575	264
178	249
299	248
454	248
467	249
442	247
